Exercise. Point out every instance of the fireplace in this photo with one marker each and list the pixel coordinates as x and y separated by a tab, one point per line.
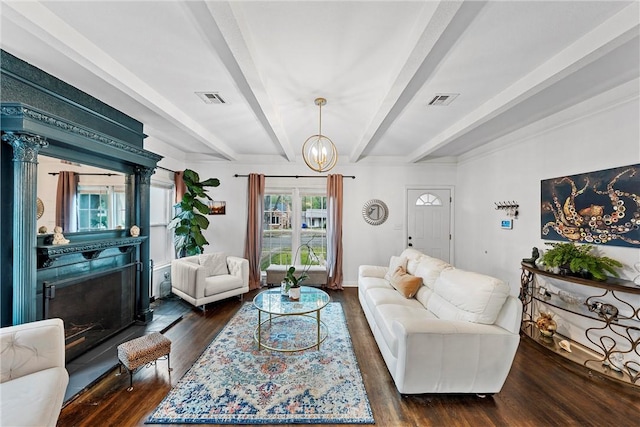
94	306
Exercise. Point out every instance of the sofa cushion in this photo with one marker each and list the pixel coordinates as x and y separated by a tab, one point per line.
429	269
412	254
423	294
386	314
394	263
464	295
215	263
378	296
221	283
366	283
34	399
412	265
405	283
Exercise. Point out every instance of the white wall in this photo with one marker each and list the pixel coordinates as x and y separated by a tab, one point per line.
363	243
599	134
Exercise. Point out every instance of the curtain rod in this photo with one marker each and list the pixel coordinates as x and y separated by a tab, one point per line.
168	170
95	174
295	176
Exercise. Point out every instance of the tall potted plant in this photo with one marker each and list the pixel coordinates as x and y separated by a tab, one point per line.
190	220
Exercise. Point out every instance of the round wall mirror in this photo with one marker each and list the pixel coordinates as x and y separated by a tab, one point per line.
39	208
375	212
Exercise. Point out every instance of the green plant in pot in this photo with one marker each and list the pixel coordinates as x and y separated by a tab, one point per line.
580	260
294	283
189	222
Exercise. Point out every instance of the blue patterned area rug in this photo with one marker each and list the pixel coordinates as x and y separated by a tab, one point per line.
234	383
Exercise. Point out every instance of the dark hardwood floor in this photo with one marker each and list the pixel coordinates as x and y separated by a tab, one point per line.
542	389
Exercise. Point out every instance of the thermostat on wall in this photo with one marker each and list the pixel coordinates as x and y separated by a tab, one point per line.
507	224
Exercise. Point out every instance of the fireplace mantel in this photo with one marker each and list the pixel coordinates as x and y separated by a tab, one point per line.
42	115
47	254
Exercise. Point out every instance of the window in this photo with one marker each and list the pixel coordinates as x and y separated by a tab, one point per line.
293	219
101	207
160	237
428	199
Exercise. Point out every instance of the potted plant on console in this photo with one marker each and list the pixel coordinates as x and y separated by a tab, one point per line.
580	261
188	223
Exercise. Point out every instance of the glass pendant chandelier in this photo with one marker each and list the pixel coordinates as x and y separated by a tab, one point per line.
318	151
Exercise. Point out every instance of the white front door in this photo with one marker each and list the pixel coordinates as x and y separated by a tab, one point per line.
429	221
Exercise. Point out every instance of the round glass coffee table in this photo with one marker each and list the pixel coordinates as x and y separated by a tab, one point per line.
280	309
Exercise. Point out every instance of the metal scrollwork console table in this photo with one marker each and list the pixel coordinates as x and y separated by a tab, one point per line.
613	310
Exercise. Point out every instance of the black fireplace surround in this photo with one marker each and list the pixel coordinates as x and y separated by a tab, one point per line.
99	283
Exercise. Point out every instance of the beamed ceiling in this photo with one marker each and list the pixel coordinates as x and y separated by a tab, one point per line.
378	63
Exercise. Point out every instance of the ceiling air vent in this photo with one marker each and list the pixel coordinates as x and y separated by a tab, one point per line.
443	99
211	97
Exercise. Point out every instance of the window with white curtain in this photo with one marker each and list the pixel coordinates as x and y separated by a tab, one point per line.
294	217
160	237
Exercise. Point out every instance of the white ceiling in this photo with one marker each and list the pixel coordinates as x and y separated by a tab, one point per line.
378	63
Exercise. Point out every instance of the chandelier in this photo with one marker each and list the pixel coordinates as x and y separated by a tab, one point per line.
318	151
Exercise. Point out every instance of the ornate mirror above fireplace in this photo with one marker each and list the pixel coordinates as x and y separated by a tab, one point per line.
97	202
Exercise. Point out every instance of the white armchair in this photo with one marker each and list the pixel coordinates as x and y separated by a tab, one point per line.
33	377
205	278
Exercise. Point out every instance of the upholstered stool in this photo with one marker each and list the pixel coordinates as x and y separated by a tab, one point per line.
142	351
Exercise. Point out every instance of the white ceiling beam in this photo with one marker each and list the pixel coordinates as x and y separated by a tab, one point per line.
448	23
219	27
56	33
603	39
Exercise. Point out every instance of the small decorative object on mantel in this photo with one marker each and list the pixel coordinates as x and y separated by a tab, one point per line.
58	237
42	230
546	325
134	230
39	208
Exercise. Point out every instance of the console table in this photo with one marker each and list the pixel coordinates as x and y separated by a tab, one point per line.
613	312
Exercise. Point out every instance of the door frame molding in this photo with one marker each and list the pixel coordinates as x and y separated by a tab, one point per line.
427	188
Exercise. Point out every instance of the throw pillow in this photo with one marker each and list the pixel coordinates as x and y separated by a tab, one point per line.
405	283
394	263
215	263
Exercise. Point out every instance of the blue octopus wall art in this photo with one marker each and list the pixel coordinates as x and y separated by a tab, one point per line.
600	207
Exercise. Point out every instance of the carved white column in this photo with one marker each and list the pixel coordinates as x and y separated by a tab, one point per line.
25	181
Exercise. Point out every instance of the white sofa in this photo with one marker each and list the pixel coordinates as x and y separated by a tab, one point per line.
205	278
458	334
33	377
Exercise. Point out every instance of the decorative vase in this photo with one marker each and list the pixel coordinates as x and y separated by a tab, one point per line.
546	325
294	293
283	288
